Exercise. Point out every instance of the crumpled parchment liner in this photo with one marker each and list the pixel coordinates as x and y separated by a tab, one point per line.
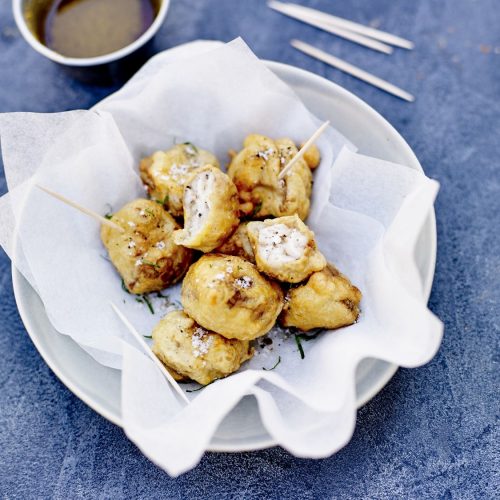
366	213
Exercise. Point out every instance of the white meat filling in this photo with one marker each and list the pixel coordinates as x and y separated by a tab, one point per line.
197	204
279	244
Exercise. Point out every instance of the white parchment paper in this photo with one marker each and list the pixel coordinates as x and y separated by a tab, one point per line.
366	213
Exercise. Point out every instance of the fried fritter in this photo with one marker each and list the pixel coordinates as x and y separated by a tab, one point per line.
194	352
255	171
312	156
211	210
326	300
145	254
226	294
165	173
285	248
238	244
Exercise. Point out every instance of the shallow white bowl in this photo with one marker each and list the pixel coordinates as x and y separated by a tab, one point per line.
242	430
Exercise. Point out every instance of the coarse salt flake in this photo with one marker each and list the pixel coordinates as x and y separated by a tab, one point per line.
243	282
265	154
200	342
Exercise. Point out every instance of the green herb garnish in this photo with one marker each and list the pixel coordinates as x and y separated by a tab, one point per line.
148	336
168	301
256	209
277	363
149	211
309	336
299	345
200	388
109	213
124	287
190	145
148	263
164	202
148	303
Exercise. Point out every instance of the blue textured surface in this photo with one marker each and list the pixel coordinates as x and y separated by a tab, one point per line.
433	431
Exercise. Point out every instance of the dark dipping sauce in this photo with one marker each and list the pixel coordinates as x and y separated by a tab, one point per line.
90	28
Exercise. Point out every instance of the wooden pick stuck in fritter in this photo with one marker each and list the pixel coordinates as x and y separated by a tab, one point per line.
150	353
82	209
303	149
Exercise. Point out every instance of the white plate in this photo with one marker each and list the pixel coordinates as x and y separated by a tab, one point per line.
242	430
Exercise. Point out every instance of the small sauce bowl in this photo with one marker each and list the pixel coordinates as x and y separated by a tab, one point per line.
106	69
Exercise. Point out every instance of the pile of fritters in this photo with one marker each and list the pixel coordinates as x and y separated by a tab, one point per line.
259	261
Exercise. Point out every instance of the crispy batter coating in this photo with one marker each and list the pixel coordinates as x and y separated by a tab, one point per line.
145	255
326	300
165	173
285	248
312	156
238	244
226	294
211	210
255	171
196	353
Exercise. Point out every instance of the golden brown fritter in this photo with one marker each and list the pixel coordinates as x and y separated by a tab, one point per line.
312	156
211	210
238	244
165	173
326	300
226	294
255	171
285	248
145	254
194	352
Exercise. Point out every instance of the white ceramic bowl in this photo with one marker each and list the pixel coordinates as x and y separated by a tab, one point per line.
242	430
18	8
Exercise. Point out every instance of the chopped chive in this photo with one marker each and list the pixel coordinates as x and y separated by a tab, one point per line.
310	336
200	388
192	146
108	216
152	264
148	336
148	303
164	202
124	287
277	363
256	209
299	345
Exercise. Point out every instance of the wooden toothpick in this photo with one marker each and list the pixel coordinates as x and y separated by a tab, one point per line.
352	70
303	149
150	353
84	210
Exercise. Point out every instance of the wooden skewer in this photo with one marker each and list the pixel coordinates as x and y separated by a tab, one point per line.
303	149
150	353
352	70
332	20
86	211
329	28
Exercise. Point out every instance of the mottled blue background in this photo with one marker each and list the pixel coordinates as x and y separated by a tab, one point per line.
433	431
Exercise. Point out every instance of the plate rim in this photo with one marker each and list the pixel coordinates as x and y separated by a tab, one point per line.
17	279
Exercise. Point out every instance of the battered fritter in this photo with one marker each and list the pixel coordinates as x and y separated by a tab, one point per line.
255	171
326	300
226	294
211	210
196	353
145	254
165	173
285	249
